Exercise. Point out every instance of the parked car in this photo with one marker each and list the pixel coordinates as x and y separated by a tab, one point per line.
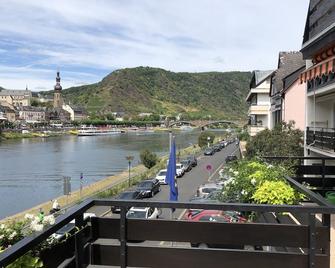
209	151
193	160
215	216
204	189
127	195
69	228
187	164
179	170
212	197
143	213
217	148
231	158
148	188
161	176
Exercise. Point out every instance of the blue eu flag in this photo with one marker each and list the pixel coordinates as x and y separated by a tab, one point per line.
171	173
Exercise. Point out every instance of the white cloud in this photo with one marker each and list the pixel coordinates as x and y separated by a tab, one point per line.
179	35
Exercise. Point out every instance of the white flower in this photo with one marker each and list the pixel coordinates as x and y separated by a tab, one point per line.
29	216
243	192
231	170
12	235
1	237
2	226
270	166
253	181
235	173
37	227
49	220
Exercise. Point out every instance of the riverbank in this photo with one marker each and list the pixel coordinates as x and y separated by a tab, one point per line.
104	188
18	135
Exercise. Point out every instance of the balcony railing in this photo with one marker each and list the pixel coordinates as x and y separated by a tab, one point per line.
321	82
323	138
106	241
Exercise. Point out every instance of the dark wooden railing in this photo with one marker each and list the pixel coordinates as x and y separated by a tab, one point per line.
106	241
323	138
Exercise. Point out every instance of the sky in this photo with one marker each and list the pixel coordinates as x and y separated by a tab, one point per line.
86	40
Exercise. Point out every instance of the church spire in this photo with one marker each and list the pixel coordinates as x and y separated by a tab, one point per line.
58	86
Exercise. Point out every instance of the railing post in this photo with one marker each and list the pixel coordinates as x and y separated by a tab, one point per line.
323	174
123	238
312	241
307	136
322	138
79	247
334	139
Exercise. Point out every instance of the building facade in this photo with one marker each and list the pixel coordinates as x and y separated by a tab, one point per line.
318	50
8	113
31	114
76	113
293	98
288	62
16	97
259	102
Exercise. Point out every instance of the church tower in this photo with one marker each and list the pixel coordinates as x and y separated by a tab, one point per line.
58	101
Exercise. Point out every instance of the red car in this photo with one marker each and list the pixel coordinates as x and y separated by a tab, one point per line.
214	215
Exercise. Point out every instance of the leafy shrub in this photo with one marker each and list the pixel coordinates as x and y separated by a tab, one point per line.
148	158
276	193
283	140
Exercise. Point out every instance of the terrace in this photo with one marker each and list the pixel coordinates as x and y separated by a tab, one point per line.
297	235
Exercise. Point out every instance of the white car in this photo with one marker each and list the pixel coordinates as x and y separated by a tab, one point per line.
180	170
204	189
68	228
161	176
143	213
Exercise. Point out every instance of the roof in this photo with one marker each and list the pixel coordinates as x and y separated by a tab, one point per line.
31	109
291	78
259	77
288	62
7	92
6	109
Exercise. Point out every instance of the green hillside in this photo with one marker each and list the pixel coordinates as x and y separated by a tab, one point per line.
144	89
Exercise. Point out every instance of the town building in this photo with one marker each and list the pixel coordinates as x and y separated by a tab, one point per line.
258	100
31	114
293	97
8	113
319	78
288	62
76	113
16	97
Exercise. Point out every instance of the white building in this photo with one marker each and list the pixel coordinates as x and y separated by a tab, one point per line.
319	79
259	102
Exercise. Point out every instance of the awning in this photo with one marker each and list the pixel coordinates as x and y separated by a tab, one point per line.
325	67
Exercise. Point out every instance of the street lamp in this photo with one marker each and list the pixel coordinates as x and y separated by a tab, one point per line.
208	140
129	159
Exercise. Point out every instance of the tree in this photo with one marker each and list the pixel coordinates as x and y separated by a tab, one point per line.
283	140
205	137
148	158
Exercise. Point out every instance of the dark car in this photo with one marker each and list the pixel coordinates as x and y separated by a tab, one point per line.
217	148
127	195
231	158
209	151
193	160
148	188
187	164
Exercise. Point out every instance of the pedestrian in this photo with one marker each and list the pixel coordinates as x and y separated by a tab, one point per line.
41	215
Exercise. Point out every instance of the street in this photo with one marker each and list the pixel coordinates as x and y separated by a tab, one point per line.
188	184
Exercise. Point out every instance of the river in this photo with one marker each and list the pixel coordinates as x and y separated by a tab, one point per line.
32	170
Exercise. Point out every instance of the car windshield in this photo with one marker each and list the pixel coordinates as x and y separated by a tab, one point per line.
127	195
179	166
136	214
145	184
185	162
162	173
